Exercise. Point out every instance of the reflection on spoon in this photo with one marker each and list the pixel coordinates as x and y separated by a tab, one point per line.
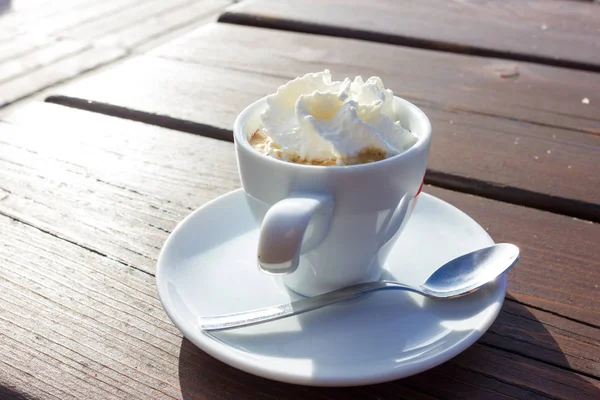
456	278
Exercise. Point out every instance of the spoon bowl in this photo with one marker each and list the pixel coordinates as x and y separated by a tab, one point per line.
471	271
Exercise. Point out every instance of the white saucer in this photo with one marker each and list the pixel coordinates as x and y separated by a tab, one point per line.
207	267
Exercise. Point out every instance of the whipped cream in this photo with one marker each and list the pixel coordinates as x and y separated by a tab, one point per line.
315	120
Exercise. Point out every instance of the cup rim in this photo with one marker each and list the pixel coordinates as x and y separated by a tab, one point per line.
422	140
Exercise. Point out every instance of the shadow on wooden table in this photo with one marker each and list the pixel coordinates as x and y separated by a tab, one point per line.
516	357
10	394
5	6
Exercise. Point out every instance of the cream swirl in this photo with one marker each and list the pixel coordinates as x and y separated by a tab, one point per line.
316	119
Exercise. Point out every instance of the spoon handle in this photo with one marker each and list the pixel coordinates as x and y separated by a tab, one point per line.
259	316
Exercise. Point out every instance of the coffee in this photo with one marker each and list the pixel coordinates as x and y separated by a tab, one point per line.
315	121
265	145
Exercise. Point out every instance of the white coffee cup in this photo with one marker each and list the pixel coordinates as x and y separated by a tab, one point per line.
329	227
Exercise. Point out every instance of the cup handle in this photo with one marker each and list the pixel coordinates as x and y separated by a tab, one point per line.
292	227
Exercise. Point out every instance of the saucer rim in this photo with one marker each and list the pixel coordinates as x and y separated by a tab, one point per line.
236	358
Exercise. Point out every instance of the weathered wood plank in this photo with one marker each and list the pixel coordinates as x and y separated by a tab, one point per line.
135	176
40	58
535	123
91	319
66	19
181	28
121	18
20	12
108	22
548	256
97	332
22	45
547	337
554	32
68	39
62	70
50	22
157	14
139	35
515	90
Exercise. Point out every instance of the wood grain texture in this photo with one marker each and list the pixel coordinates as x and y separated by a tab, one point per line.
24	45
555	32
40	58
53	73
149	18
80	314
517	90
44	48
50	22
129	222
78	324
142	36
30	34
122	18
91	21
535	122
23	12
552	273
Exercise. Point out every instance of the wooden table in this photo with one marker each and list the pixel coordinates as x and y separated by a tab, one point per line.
45	42
87	199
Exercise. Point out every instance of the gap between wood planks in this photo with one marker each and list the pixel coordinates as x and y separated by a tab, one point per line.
595	326
68	240
491	346
235	18
513	195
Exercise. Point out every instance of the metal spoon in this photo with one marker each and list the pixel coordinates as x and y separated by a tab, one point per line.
456	278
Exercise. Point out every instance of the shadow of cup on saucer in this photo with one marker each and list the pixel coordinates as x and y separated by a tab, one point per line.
518	356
